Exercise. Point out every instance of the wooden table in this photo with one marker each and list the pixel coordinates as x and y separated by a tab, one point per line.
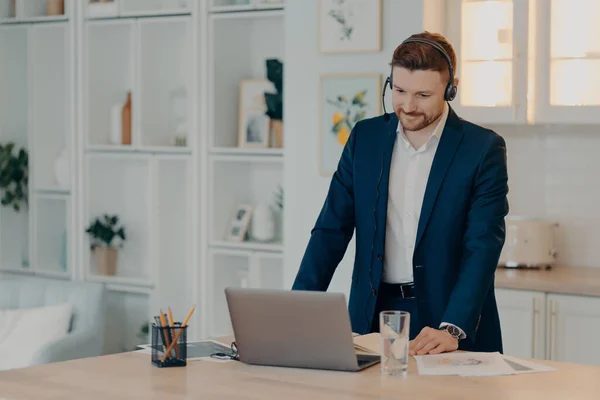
131	375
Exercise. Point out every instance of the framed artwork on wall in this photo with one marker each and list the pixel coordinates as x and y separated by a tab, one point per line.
344	100
253	122
349	26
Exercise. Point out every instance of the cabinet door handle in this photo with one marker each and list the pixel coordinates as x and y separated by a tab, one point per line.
553	334
533	317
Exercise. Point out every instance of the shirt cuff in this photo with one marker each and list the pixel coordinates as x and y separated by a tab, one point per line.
462	333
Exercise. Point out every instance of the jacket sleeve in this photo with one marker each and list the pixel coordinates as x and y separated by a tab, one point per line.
334	227
483	241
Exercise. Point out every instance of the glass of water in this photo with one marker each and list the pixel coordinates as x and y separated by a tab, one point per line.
394	328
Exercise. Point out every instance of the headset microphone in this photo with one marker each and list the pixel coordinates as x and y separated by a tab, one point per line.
386	116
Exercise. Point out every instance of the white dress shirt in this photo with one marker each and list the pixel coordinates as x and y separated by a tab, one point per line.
409	172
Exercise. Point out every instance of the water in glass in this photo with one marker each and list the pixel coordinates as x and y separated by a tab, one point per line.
394	331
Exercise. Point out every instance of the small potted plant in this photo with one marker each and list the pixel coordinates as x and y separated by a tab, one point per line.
14	176
274	101
14	180
106	238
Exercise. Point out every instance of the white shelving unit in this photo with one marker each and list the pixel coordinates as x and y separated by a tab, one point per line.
64	78
150	50
251	31
37	86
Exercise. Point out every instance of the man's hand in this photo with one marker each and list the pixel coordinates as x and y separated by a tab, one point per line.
432	341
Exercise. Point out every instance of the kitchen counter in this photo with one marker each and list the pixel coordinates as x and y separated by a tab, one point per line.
559	279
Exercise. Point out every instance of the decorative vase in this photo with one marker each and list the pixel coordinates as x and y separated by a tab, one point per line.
262	227
106	260
55	7
126	121
277	131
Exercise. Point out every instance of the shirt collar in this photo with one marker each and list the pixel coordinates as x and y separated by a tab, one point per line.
437	132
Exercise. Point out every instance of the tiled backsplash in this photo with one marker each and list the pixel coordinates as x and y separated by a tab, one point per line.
554	173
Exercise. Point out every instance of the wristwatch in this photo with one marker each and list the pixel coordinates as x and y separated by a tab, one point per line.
453	331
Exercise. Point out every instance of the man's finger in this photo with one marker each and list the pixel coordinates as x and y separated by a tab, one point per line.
419	345
432	344
438	350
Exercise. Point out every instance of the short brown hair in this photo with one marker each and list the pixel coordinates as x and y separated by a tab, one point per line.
421	56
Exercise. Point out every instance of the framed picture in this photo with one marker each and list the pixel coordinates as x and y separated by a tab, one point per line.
345	99
240	222
253	121
349	26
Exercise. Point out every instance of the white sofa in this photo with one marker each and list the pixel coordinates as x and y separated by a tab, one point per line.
83	301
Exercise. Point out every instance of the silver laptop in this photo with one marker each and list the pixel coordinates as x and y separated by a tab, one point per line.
301	329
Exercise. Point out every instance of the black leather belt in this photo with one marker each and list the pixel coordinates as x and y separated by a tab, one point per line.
402	290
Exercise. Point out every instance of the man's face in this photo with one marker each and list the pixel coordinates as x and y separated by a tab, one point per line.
418	97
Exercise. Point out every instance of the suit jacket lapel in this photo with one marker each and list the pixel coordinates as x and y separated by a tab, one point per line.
447	147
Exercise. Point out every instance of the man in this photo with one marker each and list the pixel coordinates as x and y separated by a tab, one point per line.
426	192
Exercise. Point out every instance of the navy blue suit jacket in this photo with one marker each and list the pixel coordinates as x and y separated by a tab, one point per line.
460	234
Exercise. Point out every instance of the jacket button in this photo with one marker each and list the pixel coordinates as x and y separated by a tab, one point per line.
373	292
379	257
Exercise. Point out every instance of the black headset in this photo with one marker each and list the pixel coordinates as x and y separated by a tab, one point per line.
451	89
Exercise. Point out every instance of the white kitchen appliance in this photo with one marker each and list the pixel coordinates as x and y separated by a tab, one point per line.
530	243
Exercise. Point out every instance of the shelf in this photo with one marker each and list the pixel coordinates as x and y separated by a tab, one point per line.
121	185
172	234
251	39
138	8
151	58
122	149
248	245
237	181
226	6
236	12
37	10
228	271
53	191
240	151
52	235
155	7
165	78
32	20
14	96
51	88
109	76
14	238
240	269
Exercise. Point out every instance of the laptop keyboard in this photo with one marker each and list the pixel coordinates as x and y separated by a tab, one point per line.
365	359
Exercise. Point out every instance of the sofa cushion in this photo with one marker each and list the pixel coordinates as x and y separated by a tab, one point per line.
24	331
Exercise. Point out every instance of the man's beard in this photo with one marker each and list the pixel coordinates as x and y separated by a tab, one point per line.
417	122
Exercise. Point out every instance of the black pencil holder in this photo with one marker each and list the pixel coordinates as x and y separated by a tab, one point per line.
162	339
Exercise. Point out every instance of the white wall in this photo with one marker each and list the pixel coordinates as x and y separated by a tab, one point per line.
553	173
305	189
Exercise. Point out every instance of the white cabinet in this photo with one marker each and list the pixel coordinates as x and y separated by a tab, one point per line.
526	61
522	319
573	326
549	326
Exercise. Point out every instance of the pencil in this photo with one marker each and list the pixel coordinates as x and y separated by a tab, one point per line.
172	326
178	333
163	324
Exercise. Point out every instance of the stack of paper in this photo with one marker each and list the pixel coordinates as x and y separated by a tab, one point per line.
475	364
